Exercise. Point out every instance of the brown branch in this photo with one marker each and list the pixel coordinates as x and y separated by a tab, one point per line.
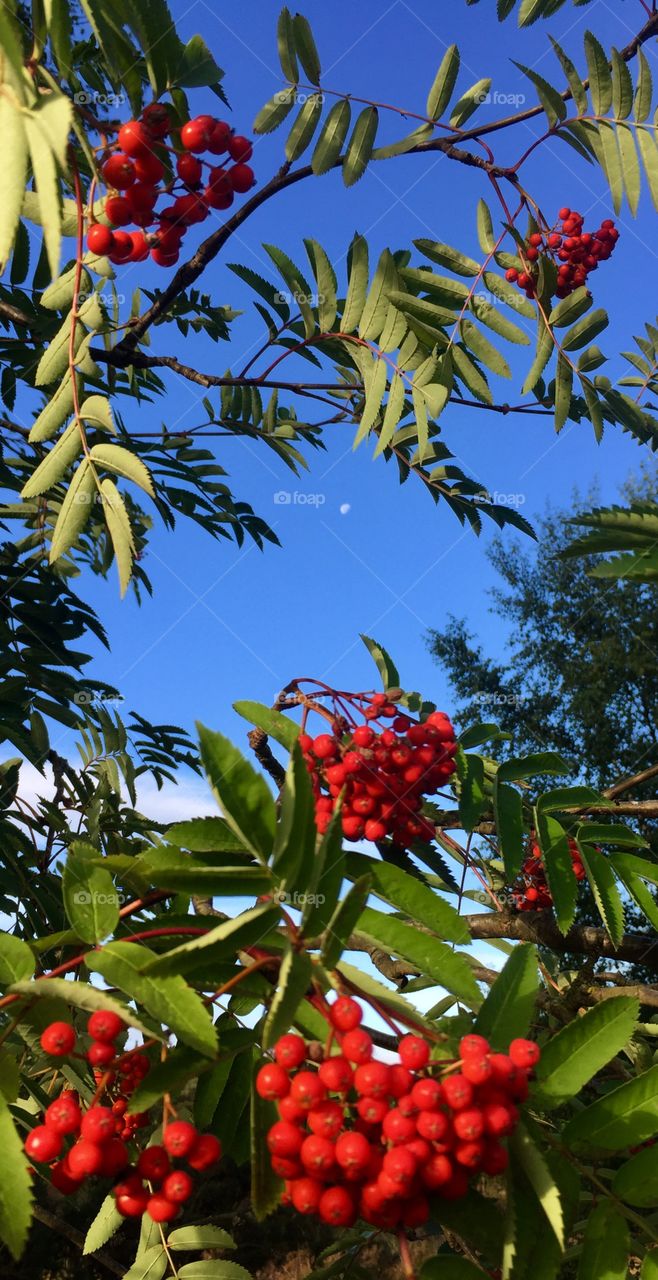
450	820
540	927
635	780
647	996
16	316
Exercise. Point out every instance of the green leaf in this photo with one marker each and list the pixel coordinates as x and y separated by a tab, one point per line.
444	83
332	136
226	939
360	146
540	1178
410	896
322	892
376	389
74	511
559	869
169	1000
16	960
508	812
578	1051
197	66
325	277
122	462
644	88
344	921
472	796
552	102
54	413
55	464
168	868
206	1237
358	284
469	102
446	256
606	1246
47	131
567	310
168	1076
508	1008
447	968
82	996
204	835
485	228
273	723
242	793
90	900
107	1221
285	33
275	111
150	1266
602	882
15	1186
543	353
306	48
13	174
304	127
637	1180
118	525
484	350
294	982
624	1117
265	1186
600	79
517	768
563	390
213	1270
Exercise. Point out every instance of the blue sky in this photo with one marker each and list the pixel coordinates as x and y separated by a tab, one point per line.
228	623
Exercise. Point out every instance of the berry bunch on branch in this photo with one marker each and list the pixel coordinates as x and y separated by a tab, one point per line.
532	893
381	761
138	172
575	252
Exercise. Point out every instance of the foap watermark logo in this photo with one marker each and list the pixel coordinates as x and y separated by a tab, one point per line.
88	98
511	299
299	96
106	299
91	697
501	499
496	98
86	898
299	901
500	699
298	296
288	498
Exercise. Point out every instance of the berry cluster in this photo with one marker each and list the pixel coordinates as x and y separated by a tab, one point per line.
576	251
383	776
137	172
533	893
361	1138
101	1133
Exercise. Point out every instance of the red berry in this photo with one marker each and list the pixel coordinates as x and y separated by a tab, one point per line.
119	172
219	137
473	1046
426	1095
206	1152
499	1119
371	1080
495	1159
133	138
133	1205
61	1180
178	1186
240	148
336	1075
363	736
58	1039
140	247
306	1194
326	1120
477	1070
324	746
398	1128
179	1138
99	239
437	1172
512	275
148	167
307	1090
100	1054
457	1092
153	1164
141	197
357	1045
272	1082
115	1157
118	211
162	259
160	1209
372	1110
399	1081
157	119
416	1212
189	169
564	213
353	1151
285	1139
337	1208
85	1158
433	1125
317	1154
241	178
290	1051
290	1110
400	1165
414	1053
63	1115
194	135
524	1053
98	1124
469	1124
43	1143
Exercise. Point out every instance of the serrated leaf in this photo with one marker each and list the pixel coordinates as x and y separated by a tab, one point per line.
410	896
373	401
444	83
118	525
294	981
275	111
15	1186
226	939
306	48
540	1178
360	146
242	793
358	284
325	278
344	921
105	1224
578	1051
332	137
150	1265
444	254
205	1237
556	855
606	1245
304	127
168	1000
82	996
636	1181
56	463
123	463
74	511
484	350
387	669
508	1008
644	89
469	102
563	389
447	968
54	413
90	900
602	882
13	174
285	33
624	1117
600	78
486	235
582	332
17	961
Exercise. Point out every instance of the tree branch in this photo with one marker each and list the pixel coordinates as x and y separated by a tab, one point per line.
540	927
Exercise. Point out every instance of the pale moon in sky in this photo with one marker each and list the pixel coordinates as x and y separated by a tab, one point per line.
345	507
